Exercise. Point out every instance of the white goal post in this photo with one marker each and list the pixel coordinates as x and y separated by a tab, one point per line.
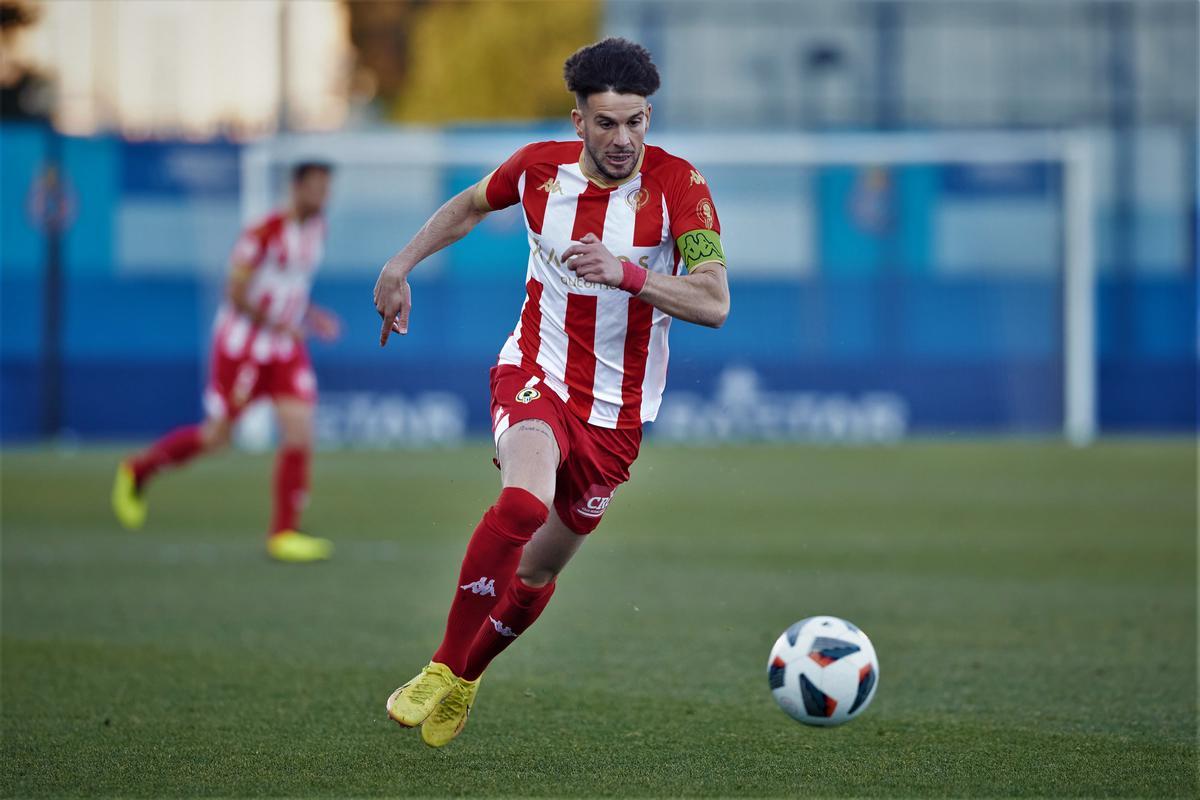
1072	150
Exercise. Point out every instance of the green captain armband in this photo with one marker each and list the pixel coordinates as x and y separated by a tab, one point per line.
699	246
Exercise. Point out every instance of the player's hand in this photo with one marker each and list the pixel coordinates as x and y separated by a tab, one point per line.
592	261
287	329
393	300
324	324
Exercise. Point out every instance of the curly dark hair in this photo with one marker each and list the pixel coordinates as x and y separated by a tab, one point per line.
613	64
302	169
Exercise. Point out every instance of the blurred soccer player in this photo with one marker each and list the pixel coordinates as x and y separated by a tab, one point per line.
611	222
258	351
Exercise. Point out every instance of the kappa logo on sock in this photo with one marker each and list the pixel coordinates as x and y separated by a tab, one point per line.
484	586
503	629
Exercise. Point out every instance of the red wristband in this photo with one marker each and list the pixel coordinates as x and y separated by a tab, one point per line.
634	279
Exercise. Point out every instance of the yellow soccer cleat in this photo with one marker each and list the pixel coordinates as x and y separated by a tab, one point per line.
412	703
450	717
298	548
127	502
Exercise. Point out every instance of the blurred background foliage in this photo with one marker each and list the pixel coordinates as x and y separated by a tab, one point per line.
443	61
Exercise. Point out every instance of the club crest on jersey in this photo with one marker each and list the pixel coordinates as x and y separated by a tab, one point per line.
638	200
528	395
551	186
704	211
696	178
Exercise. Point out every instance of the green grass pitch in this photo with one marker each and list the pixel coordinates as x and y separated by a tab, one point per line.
1033	606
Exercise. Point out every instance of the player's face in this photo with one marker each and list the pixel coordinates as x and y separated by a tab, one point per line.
310	192
613	128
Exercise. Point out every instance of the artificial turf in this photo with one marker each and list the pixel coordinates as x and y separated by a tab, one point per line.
1033	607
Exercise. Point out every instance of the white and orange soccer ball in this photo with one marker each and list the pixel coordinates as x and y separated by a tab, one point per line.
823	671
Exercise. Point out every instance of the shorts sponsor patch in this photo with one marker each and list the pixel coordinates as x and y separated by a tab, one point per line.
595	501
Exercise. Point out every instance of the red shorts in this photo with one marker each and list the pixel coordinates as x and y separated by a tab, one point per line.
594	461
233	383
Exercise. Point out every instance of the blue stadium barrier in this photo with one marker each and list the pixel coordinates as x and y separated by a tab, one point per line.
136	350
873	340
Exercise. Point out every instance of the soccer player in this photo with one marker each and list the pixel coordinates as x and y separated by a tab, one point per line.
258	351
623	237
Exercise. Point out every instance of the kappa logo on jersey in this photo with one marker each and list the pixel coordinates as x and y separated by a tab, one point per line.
704	211
595	501
551	186
502	629
696	178
638	200
528	395
484	586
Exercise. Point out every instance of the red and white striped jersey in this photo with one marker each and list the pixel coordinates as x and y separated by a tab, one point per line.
603	351
283	254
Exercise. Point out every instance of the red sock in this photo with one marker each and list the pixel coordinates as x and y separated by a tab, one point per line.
520	608
177	447
487	569
291	488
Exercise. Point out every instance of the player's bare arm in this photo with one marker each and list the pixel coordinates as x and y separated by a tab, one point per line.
701	296
454	220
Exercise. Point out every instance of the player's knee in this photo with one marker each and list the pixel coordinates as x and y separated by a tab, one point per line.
536	577
544	495
295	425
296	437
216	433
519	512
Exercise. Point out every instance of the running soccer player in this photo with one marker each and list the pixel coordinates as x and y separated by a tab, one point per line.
258	351
612	223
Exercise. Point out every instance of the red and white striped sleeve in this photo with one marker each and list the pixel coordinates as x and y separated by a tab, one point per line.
251	247
501	188
689	202
694	222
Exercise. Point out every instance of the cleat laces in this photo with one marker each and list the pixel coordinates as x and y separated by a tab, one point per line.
454	705
423	689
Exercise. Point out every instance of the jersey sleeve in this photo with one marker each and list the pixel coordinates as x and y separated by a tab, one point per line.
694	222
689	203
500	189
251	246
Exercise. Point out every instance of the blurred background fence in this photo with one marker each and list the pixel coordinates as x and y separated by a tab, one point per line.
875	297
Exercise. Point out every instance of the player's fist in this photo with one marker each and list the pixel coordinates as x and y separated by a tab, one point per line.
393	300
592	261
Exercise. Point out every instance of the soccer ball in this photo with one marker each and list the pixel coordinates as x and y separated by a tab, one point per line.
823	671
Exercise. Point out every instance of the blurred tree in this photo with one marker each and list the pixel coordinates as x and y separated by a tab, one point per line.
24	93
379	33
456	60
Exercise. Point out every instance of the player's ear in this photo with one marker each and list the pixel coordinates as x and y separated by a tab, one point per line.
649	108
577	118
